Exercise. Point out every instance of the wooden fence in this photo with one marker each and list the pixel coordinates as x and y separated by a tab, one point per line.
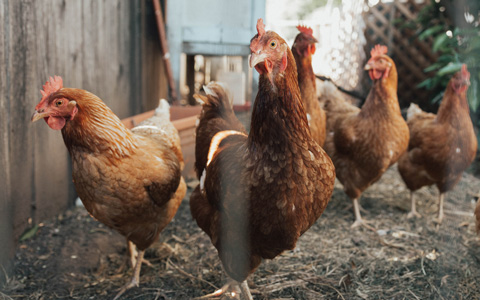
109	47
384	25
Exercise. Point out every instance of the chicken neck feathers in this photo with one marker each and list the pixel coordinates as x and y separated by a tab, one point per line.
307	85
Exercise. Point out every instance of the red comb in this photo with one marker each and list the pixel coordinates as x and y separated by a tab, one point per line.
305	29
378	50
260	27
51	86
465	73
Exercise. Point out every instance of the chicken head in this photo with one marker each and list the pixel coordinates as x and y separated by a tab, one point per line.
305	42
379	65
461	80
54	108
269	52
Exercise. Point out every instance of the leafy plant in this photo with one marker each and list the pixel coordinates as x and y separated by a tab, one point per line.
456	44
453	26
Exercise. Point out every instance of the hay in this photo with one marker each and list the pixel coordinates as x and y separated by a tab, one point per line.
75	257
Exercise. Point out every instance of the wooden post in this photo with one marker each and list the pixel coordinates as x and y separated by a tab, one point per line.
166	53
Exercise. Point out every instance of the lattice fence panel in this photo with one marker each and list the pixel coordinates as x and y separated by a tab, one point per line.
347	53
384	26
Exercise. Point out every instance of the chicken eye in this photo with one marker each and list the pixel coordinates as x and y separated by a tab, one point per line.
58	103
273	44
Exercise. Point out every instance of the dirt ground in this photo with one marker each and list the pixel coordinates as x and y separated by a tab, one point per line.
74	257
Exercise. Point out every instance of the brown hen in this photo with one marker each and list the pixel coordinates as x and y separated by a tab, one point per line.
441	146
128	180
364	142
303	48
260	192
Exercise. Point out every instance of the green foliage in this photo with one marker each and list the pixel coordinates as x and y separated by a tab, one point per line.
29	233
456	45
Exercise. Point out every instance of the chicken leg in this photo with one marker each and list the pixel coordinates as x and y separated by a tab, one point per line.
132	250
439	219
135	281
358	216
413	212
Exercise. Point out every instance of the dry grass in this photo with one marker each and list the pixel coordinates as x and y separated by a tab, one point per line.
75	257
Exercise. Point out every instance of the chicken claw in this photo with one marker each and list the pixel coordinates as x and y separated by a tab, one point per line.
135	278
245	290
413	212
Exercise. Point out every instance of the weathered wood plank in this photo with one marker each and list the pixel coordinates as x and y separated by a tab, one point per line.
152	63
51	163
21	155
6	205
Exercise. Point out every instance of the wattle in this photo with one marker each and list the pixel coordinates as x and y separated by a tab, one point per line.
375	75
56	123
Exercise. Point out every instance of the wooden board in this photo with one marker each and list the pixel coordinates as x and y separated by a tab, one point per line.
6	205
103	46
184	119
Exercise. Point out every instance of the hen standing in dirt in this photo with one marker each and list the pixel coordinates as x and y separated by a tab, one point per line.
441	146
303	48
129	180
364	142
260	192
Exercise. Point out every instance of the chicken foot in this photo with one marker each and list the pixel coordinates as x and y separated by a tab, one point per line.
245	290
358	217
135	281
132	249
413	212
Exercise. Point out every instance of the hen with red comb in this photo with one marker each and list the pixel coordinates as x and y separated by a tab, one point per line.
303	49
129	180
441	146
364	142
259	192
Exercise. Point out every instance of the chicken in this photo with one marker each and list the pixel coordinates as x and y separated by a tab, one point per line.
128	180
259	192
213	118
364	142
303	48
441	146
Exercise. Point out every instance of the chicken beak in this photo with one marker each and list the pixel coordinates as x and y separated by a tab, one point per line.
368	67
38	115
256	58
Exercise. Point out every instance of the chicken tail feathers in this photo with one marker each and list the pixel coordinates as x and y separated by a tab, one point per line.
163	109
217	95
413	110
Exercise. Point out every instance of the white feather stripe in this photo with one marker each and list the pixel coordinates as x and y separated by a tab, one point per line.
217	139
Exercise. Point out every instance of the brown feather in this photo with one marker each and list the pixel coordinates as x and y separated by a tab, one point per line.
130	182
364	143
306	82
263	191
441	147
